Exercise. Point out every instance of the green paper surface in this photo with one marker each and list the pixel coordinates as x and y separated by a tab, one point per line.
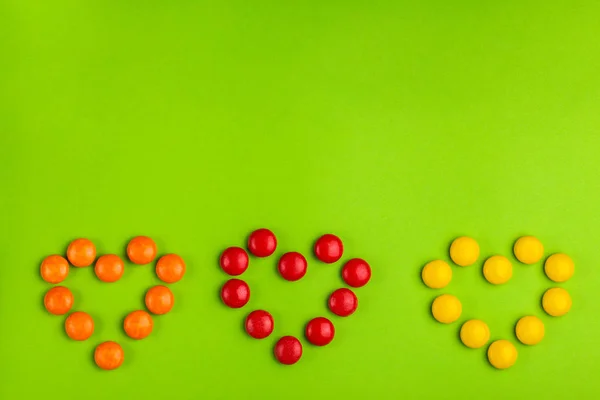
397	125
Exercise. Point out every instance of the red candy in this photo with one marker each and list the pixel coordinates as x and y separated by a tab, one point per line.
292	266
320	331
288	350
259	324
235	293
343	302
329	248
262	242
356	272
234	261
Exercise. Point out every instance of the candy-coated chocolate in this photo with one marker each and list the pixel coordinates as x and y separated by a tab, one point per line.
234	261
81	252
138	324
141	250
58	300
329	248
528	249
292	266
556	302
446	308
474	333
109	268
170	268
497	270
259	324
79	325
343	302
235	293
559	267
436	274
54	269
288	350
356	272
530	330
159	300
320	331
502	354
109	355
464	251
262	242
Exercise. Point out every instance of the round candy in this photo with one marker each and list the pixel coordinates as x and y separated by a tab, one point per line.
58	300
436	274
356	272
528	250
556	302
54	269
292	266
138	324
446	308
109	355
329	248
159	300
81	252
497	270
141	250
474	333
343	302
559	267
235	293
288	350
109	268
170	268
234	261
502	354
530	330
259	324
262	242
464	251
320	331
79	325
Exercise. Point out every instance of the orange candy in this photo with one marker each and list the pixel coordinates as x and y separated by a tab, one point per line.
81	252
159	300
138	324
141	250
58	300
170	268
79	325
54	269
109	355
109	268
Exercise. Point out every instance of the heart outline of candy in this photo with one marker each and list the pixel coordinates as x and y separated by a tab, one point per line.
529	330
138	324
292	266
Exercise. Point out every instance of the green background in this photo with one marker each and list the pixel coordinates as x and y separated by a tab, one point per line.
397	125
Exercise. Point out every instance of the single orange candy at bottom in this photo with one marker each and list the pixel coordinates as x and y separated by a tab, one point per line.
58	300
141	250
138	324
170	268
159	300
109	355
54	269
79	325
81	252
109	268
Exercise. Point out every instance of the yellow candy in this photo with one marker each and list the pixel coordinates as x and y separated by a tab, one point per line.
436	274
528	250
559	267
556	302
502	354
497	270
464	251
474	333
530	330
446	308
